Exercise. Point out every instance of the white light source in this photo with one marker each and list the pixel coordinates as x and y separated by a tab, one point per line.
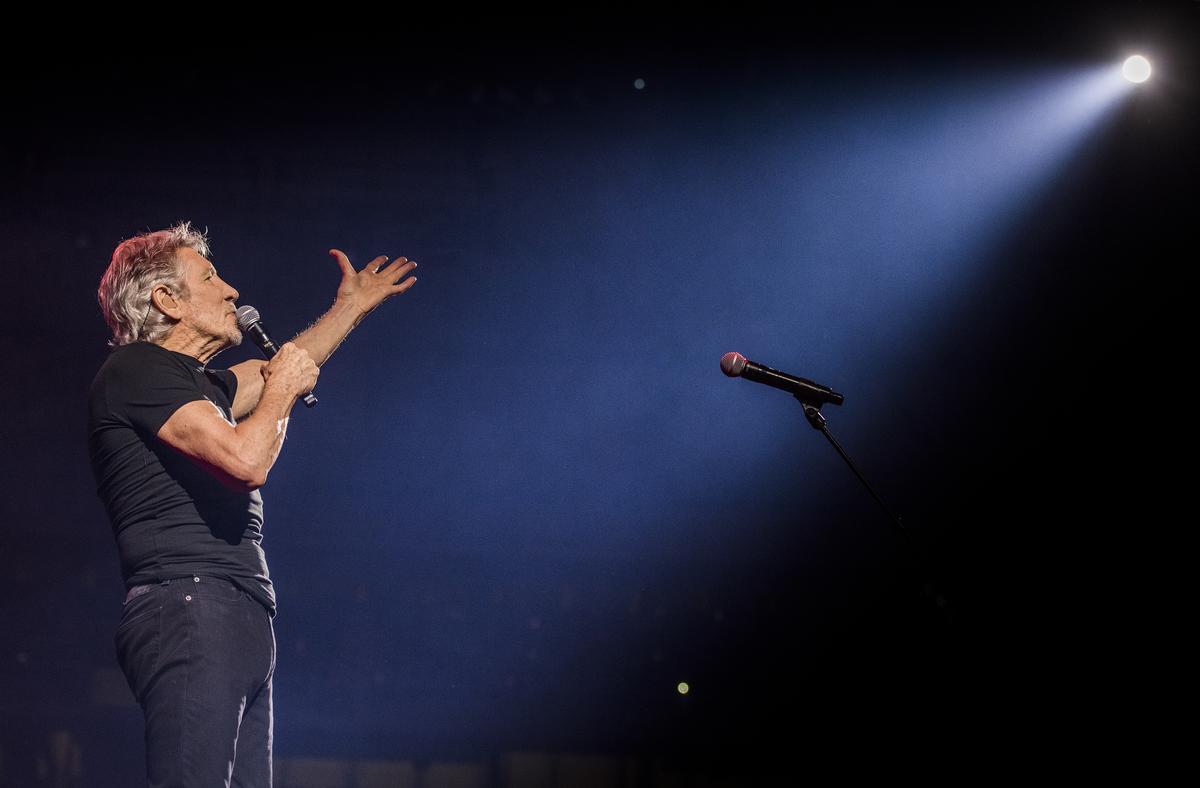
1136	68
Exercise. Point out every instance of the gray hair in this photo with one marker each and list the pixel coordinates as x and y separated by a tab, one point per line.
140	264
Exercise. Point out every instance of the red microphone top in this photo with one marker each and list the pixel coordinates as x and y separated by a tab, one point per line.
733	364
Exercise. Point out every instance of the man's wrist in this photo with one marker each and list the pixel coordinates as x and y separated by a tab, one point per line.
348	312
277	397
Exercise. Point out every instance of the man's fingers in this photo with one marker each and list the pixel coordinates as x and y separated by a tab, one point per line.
399	267
342	261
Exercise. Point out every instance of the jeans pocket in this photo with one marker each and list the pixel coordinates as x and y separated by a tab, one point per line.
139	608
137	642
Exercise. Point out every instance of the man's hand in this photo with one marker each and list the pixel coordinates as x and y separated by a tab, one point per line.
292	370
370	287
358	294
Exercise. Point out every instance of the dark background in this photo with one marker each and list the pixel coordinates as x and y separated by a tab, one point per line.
529	504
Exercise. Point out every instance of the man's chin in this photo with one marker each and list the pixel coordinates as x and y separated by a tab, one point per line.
232	339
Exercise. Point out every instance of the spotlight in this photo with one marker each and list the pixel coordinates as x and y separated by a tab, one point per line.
1136	69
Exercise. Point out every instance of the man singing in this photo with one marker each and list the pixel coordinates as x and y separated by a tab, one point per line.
179	452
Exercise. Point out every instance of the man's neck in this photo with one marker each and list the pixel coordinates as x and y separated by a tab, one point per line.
191	344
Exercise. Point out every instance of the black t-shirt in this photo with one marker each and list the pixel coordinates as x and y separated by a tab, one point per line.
171	518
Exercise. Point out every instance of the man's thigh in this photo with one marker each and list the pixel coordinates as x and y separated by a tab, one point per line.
197	655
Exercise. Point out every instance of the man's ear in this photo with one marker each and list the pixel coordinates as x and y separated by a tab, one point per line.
167	302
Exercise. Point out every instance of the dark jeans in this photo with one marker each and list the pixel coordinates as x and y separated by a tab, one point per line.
199	654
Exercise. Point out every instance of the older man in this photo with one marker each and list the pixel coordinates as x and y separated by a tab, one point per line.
179	452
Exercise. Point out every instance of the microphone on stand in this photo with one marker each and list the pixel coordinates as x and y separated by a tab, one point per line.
735	365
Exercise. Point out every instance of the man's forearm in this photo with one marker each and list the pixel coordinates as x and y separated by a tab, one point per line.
323	337
320	340
260	437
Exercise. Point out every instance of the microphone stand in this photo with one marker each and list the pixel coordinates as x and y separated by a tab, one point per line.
812	412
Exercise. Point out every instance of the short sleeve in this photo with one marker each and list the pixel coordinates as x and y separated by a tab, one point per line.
145	386
225	380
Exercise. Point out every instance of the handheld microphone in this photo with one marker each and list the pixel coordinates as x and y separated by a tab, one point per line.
735	365
250	323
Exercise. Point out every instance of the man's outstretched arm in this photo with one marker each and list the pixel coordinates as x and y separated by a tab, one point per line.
358	294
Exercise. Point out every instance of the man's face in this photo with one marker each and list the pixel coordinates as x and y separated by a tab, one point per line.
210	307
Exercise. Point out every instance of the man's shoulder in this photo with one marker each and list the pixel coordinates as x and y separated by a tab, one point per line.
134	366
142	385
137	357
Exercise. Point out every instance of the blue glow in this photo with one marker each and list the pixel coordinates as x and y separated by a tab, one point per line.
544	413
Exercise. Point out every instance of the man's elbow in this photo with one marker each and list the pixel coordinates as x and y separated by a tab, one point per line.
254	482
256	478
245	476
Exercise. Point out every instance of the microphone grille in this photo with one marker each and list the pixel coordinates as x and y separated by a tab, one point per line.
733	364
247	316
